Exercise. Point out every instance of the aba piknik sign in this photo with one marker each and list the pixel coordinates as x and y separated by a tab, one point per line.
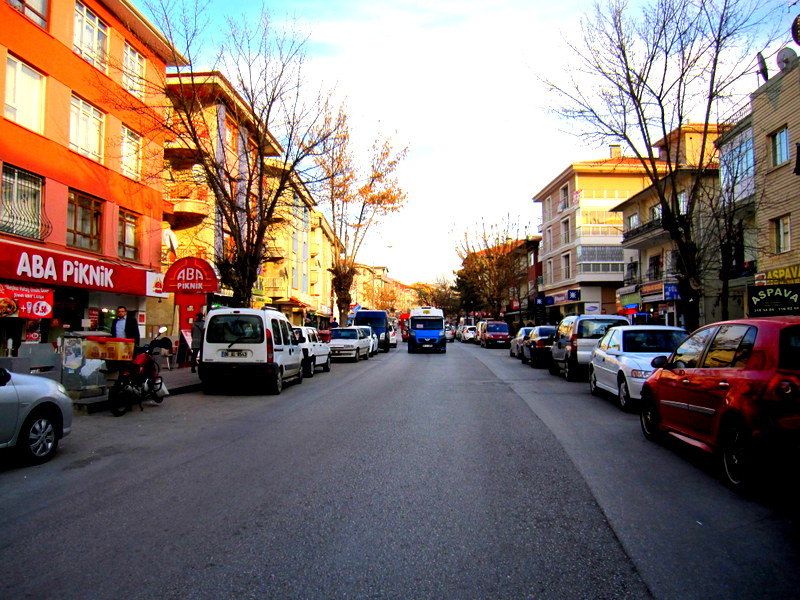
46	267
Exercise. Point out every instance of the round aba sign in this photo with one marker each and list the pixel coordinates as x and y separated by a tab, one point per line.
191	275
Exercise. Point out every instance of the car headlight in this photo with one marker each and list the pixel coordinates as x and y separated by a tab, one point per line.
640	374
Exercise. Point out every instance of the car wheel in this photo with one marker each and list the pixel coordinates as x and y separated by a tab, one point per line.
300	375
38	438
593	389
648	417
523	359
308	367
276	385
327	366
367	355
571	370
737	454
623	394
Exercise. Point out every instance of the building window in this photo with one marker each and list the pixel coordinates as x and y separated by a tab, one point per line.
566	273
128	245
779	143
133	71
21	208
35	10
564	194
565	232
86	129
654	272
682	203
633	221
548	274
131	153
24	95
84	216
781	236
90	36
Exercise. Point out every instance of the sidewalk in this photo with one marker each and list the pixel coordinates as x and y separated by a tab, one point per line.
179	380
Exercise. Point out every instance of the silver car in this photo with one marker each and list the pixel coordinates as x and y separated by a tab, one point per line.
35	413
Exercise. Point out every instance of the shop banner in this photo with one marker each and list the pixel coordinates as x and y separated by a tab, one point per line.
773	300
25	302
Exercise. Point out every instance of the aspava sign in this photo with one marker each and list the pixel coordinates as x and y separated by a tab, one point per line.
45	267
773	300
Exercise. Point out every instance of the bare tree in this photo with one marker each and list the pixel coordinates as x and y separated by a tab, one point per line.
490	266
638	77
441	294
252	131
356	196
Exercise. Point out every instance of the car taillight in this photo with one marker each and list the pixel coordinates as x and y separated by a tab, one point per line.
573	340
540	343
270	347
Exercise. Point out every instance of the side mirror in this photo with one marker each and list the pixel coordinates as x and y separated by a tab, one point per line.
659	362
162	329
5	377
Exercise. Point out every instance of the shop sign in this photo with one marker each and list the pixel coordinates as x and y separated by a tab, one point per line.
515	304
773	300
652	289
671	291
43	266
790	274
191	274
573	295
26	302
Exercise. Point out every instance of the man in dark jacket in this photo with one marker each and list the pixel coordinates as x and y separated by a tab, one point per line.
125	326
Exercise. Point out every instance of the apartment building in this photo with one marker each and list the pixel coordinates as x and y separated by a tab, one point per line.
81	212
581	252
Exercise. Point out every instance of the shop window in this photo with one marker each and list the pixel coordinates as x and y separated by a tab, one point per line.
131	153
128	245
24	103
21	208
84	216
133	71
35	10
86	129
90	37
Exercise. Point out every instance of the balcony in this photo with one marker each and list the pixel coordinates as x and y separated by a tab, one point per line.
273	254
644	235
313	249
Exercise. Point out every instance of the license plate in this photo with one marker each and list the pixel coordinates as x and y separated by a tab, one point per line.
427	345
234	353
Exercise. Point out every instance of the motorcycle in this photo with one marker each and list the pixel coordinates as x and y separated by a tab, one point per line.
138	380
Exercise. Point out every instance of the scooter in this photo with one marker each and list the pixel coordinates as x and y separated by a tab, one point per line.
137	381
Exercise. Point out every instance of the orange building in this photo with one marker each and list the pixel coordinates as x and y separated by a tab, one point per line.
81	155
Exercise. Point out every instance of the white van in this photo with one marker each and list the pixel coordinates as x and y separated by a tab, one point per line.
243	344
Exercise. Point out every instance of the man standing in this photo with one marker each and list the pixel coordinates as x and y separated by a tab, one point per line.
197	339
125	326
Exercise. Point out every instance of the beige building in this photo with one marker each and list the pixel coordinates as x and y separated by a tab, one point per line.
581	252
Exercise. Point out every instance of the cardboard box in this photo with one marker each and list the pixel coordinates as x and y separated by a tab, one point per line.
108	348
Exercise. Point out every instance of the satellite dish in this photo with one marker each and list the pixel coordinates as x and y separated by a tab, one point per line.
785	58
796	30
762	67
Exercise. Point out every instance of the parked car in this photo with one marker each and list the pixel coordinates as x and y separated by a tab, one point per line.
379	321
480	327
733	389
621	361
316	353
350	342
373	339
468	333
392	336
575	338
515	345
449	333
536	347
495	333
246	344
35	413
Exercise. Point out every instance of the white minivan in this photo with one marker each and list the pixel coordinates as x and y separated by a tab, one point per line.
247	344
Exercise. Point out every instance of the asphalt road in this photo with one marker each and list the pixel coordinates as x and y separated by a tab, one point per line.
465	475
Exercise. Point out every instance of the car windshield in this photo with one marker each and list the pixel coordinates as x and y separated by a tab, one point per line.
652	341
379	322
427	323
344	334
225	329
596	328
543	331
497	327
789	348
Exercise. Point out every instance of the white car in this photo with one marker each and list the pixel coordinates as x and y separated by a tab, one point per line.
621	361
316	353
349	342
373	337
468	333
35	413
392	336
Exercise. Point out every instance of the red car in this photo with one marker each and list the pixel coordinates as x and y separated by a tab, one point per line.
732	389
495	334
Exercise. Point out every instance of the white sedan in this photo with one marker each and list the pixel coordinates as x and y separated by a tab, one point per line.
349	342
621	361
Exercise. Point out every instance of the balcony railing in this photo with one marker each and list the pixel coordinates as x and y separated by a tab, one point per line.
653	225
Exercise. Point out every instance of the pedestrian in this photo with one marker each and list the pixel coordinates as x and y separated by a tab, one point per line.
125	326
334	324
197	339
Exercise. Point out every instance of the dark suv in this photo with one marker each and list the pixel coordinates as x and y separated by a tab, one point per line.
732	389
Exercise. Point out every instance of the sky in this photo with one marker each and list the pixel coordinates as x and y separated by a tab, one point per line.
456	82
